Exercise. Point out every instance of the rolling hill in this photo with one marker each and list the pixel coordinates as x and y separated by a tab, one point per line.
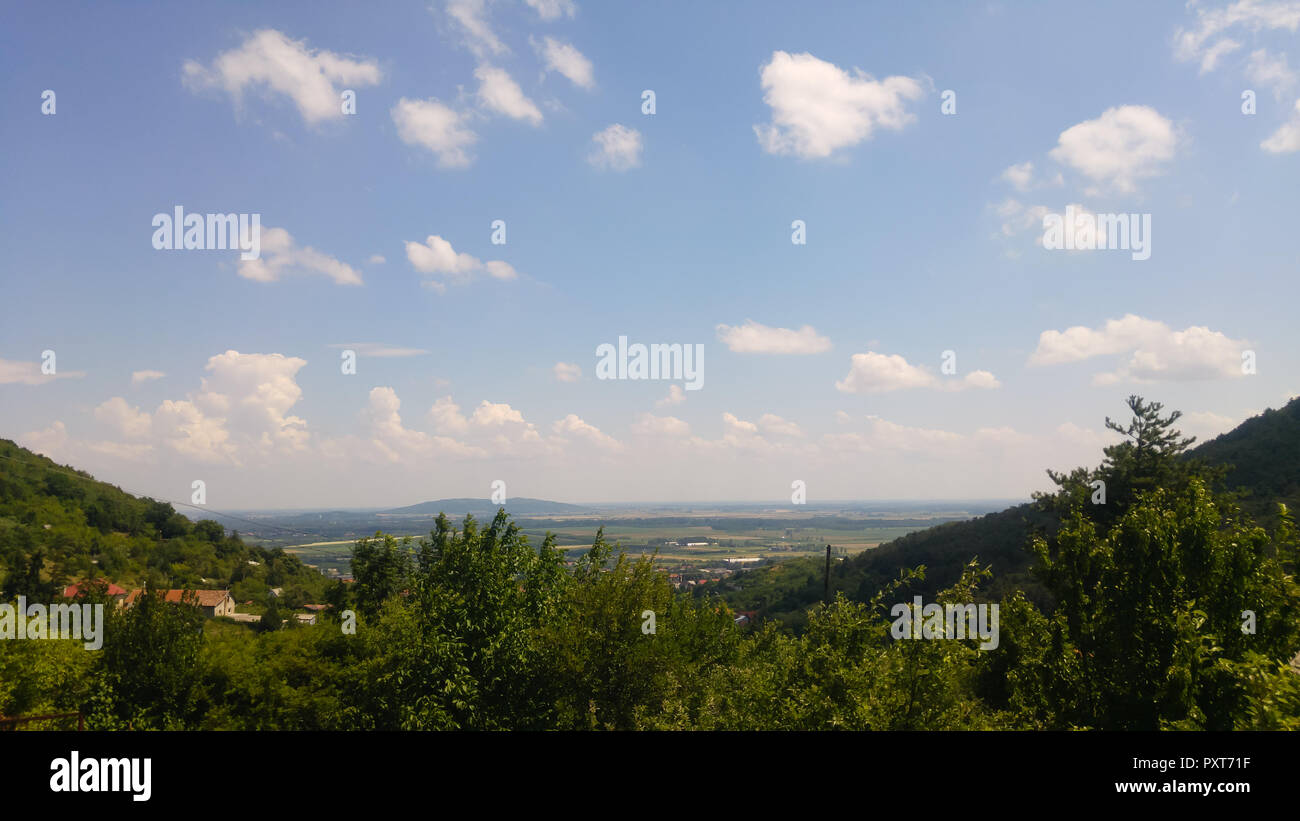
516	506
1262	455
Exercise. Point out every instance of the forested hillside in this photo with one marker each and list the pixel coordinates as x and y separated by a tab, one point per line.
1260	459
1141	624
59	525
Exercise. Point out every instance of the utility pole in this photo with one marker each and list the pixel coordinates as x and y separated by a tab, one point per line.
826	589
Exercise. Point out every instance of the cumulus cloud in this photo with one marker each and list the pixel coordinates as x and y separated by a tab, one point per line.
1119	148
267	59
395	442
1152	349
567	60
124	419
753	337
499	92
138	377
818	108
567	372
647	424
447	417
675	396
772	424
573	425
437	257
872	372
436	127
618	148
281	255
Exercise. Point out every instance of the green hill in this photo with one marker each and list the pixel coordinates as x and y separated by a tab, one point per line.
516	506
1262	458
59	525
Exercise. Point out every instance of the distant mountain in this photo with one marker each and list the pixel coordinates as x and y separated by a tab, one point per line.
517	506
1263	452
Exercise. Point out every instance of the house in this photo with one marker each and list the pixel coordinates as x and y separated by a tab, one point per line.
277	591
212	602
316	608
305	618
113	591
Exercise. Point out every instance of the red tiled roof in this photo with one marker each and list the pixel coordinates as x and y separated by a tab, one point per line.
74	590
204	598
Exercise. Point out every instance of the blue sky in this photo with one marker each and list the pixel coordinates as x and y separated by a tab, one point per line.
923	235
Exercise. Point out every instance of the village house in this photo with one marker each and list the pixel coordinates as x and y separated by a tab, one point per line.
212	602
114	592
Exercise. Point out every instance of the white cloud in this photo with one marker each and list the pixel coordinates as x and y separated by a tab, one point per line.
1020	176
737	425
648	424
436	256
124	419
436	127
471	17
772	424
1270	71
313	79
618	148
1123	145
495	414
51	442
181	426
552	9
879	373
675	396
500	93
138	377
397	443
29	373
818	108
1154	351
976	379
447	417
572	425
567	60
753	337
377	259
1255	15
280	256
567	372
1287	138
872	372
1017	217
1210	57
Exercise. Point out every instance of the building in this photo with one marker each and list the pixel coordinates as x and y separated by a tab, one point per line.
212	602
306	618
113	591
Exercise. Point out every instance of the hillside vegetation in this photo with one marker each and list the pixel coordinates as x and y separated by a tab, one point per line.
1259	462
1167	607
